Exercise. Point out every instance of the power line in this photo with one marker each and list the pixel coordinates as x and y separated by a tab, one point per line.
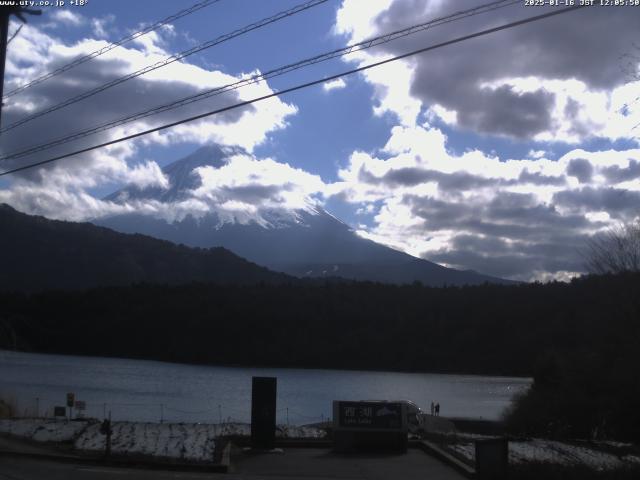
301	86
15	34
173	58
369	43
111	46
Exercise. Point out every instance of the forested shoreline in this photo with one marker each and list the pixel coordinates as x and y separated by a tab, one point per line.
486	329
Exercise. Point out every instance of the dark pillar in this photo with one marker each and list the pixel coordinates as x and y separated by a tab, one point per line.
492	458
263	412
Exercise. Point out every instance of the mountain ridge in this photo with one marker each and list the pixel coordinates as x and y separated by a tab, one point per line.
37	253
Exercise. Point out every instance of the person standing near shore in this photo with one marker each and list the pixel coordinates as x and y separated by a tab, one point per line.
437	409
433	408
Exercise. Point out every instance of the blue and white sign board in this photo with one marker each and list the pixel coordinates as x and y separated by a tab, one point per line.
369	425
370	416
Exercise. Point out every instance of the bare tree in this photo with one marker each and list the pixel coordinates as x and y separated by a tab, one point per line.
615	251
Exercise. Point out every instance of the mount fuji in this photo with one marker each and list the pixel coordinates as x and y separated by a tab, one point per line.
307	242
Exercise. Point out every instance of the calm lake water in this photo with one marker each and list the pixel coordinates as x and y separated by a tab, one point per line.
150	391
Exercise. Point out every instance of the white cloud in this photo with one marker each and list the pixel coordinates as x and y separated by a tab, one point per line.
536	154
336	84
356	21
100	25
245	189
265	184
60	190
355	18
531	216
67	17
579	112
509	84
152	43
518	218
146	175
253	125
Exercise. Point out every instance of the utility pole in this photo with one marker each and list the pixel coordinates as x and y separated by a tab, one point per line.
5	13
107	430
4	34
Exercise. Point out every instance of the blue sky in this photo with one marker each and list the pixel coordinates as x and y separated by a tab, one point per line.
501	154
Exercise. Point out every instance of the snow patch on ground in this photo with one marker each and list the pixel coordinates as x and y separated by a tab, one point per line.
191	442
632	459
550	451
184	441
43	430
299	432
464	436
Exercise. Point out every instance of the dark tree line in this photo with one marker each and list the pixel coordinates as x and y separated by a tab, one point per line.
481	329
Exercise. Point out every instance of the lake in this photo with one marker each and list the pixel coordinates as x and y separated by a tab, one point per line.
152	391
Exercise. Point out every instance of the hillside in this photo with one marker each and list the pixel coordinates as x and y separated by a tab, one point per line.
38	254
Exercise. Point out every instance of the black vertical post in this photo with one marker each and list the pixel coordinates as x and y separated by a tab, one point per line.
263	412
492	459
109	432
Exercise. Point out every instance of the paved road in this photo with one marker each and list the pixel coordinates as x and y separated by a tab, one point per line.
322	464
11	444
14	468
293	463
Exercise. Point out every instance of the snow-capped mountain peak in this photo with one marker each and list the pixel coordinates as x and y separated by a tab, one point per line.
254	221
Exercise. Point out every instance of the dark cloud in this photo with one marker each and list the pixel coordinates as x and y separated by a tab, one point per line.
127	98
572	109
509	215
407	177
514	260
461	181
578	45
617	202
412	176
505	112
540	179
615	174
256	193
512	235
581	169
437	214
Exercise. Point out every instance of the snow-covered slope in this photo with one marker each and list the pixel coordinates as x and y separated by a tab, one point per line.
304	242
